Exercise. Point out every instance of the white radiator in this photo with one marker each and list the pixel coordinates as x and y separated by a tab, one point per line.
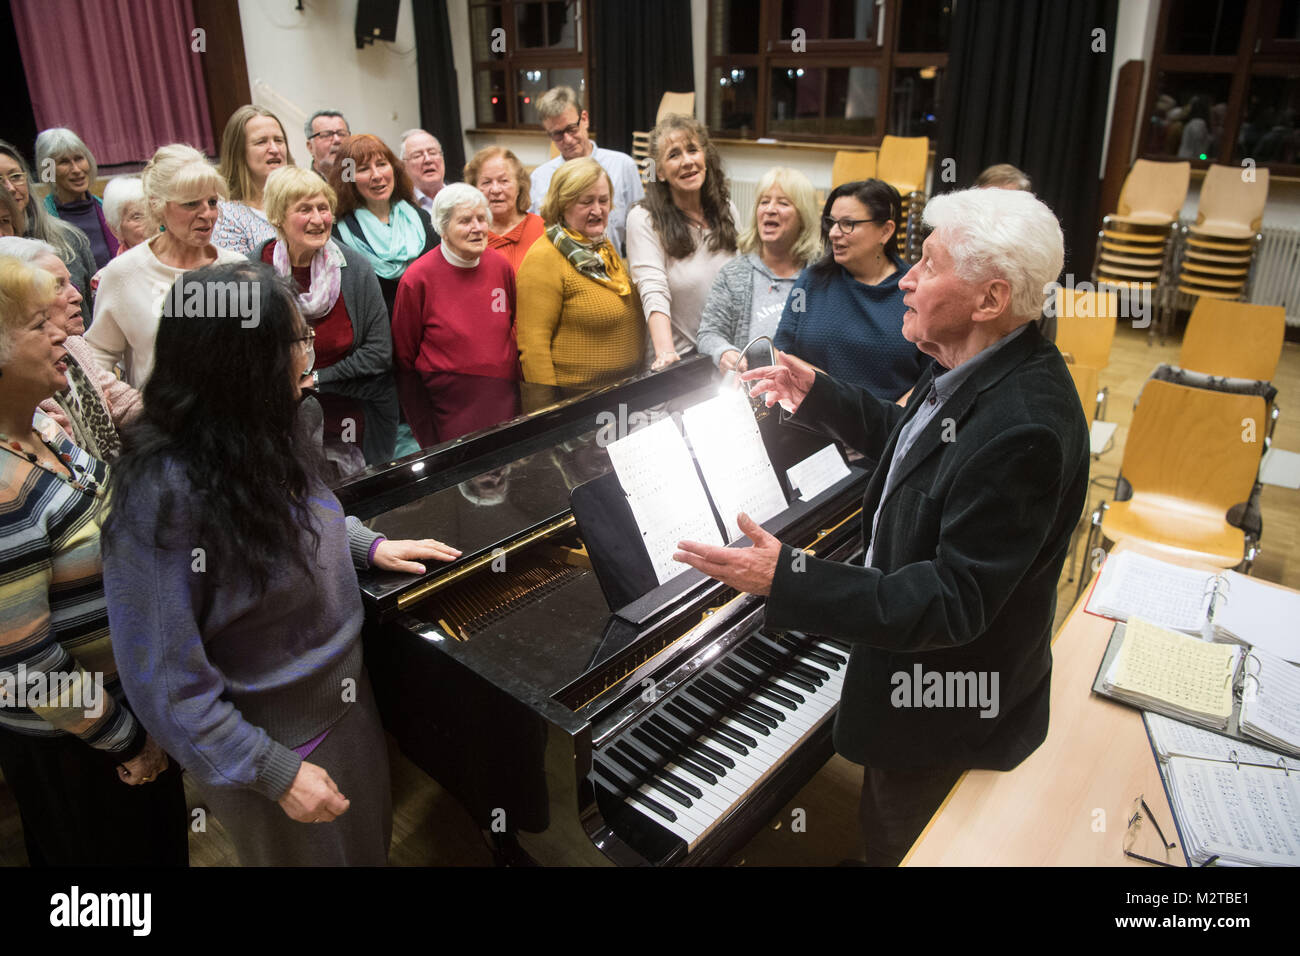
1277	271
744	195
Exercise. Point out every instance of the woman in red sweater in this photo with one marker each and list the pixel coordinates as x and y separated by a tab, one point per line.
455	306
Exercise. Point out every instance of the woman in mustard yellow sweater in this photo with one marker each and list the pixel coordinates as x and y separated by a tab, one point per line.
578	319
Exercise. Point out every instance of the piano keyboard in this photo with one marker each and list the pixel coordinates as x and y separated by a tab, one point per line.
708	746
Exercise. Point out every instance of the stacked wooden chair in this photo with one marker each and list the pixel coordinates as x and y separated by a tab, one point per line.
902	162
1134	246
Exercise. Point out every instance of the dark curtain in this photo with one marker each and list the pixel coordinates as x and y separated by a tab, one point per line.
1025	87
642	50
124	74
17	121
436	75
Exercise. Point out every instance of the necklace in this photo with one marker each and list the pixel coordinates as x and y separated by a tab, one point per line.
85	483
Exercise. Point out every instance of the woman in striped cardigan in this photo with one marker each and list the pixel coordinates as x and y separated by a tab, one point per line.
91	785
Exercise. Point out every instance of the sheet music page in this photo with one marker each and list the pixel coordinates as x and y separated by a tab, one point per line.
1260	615
664	492
729	448
1175	738
1134	585
1184	672
817	472
1270	701
1247	814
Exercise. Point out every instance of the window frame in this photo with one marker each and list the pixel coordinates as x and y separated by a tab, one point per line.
775	52
1256	55
517	58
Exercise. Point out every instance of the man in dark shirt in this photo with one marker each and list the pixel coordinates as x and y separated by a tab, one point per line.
966	520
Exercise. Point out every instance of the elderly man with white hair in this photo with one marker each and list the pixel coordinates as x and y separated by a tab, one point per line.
966	520
455	306
421	154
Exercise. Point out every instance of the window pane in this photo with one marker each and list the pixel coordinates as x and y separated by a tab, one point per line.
735	26
1187	120
829	19
735	100
483	20
1203	26
923	26
1268	131
916	100
532	83
490	96
548	25
851	95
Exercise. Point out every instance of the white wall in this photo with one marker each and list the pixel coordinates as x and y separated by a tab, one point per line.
299	62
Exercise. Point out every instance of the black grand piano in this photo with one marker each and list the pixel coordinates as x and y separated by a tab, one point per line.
664	730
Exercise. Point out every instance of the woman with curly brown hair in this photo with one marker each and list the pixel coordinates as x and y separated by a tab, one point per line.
680	235
377	214
498	174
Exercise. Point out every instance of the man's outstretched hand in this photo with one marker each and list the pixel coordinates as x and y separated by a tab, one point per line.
787	382
745	569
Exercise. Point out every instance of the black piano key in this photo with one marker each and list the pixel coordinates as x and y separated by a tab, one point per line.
806	670
727	685
667	752
715	713
806	642
763	688
790	677
745	668
637	751
659	786
631	794
688	713
844	646
675	731
727	708
824	658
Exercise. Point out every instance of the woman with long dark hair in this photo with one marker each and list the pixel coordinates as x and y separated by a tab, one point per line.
229	569
845	313
680	235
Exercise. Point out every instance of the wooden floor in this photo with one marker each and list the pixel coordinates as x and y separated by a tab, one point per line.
819	826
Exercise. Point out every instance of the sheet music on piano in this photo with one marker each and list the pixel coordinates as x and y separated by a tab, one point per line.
725	438
664	492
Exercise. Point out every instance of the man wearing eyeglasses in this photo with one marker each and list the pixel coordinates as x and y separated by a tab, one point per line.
422	156
565	121
325	132
966	520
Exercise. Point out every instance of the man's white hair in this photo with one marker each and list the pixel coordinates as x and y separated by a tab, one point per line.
1002	234
415	132
449	197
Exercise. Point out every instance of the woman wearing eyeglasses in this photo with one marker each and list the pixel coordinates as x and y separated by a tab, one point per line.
232	594
845	313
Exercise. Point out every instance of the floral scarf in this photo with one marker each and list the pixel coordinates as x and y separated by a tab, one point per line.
595	259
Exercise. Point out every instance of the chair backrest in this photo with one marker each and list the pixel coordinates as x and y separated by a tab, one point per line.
1155	190
849	167
1233	339
902	161
1085	380
669	103
1194	445
1227	196
1085	325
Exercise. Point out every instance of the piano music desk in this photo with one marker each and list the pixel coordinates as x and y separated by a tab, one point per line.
1096	758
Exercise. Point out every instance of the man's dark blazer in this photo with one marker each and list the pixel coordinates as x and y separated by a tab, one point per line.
968	551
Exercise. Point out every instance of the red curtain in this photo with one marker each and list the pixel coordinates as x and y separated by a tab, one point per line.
122	74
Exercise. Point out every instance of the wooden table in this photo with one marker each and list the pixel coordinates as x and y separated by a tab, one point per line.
1068	803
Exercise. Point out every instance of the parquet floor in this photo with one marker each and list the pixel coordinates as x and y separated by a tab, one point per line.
819	826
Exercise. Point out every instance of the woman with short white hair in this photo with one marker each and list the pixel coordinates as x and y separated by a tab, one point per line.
127	211
455	306
62	152
182	190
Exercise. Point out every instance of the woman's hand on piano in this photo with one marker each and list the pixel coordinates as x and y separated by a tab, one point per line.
746	569
787	382
404	555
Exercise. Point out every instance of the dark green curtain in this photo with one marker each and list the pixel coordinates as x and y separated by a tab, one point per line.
1026	86
642	50
436	76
